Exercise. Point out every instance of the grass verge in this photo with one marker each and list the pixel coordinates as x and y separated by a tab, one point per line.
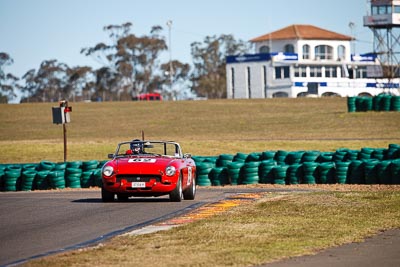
276	226
203	128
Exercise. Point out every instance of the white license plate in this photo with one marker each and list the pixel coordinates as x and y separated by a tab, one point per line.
138	184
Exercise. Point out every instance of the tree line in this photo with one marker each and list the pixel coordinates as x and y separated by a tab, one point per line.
130	65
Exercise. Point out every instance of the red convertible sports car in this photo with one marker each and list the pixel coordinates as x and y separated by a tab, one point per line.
149	168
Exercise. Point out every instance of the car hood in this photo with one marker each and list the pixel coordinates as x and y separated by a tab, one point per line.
143	165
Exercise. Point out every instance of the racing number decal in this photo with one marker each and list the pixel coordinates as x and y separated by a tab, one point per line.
189	180
144	160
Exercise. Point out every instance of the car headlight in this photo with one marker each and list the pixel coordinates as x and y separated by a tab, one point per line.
170	171
108	171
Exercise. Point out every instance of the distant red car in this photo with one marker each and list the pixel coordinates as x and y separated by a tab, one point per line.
149	168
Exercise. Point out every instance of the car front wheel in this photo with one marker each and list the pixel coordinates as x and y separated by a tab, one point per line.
190	192
107	196
176	195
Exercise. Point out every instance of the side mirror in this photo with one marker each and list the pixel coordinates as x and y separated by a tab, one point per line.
110	156
187	155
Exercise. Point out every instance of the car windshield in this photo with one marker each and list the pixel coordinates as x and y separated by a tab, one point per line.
170	149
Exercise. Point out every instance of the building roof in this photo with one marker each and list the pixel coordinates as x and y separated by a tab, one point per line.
302	32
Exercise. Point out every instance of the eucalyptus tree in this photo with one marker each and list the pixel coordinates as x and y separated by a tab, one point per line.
180	77
209	74
8	82
80	83
130	62
48	84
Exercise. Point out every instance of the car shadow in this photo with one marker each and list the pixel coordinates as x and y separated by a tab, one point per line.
98	200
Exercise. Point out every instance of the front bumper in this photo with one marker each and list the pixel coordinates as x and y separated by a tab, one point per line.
133	184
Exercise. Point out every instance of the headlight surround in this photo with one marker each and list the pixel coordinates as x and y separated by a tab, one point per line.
108	171
170	171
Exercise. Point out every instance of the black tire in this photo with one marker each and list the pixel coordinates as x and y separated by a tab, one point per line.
107	196
190	192
177	195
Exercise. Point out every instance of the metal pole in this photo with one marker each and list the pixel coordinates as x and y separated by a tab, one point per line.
65	142
169	24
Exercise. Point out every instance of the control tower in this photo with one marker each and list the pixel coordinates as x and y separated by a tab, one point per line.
383	19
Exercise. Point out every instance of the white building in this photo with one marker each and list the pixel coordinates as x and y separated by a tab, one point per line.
302	60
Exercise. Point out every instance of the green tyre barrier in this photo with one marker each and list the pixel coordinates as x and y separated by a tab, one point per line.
27	179
370	171
86	179
393	151
280	157
326	171
223	160
97	177
1	179
310	156
60	166
385	102
233	169
212	160
218	176
11	179
293	158
378	153
14	168
203	180
351	104
266	172
383	172
89	165
295	173
74	164
339	155
351	155
73	177
253	157
41	182
204	168
356	172
101	163
341	170
250	172
376	103
240	157
46	166
268	155
325	157
395	171
280	174
73	181
310	172
395	103
29	167
364	103
56	179
365	153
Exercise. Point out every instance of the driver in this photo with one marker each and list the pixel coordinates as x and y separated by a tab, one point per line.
137	146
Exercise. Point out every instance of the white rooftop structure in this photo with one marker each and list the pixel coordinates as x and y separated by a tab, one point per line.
304	60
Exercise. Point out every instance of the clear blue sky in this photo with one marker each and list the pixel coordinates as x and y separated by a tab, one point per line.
32	31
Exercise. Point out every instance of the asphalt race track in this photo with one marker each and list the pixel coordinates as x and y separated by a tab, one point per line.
38	223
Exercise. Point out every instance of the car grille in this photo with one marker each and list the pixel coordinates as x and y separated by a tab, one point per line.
138	178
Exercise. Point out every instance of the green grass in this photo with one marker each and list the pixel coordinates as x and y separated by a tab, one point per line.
277	226
267	230
202	127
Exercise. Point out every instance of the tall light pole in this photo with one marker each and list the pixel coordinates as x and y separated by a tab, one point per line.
352	26
169	24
